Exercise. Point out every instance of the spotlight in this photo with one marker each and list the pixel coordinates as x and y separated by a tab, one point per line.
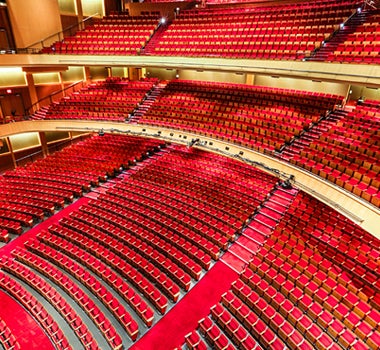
163	20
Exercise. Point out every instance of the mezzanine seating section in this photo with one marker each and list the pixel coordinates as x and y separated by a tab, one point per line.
110	100
264	119
313	284
115	34
348	153
256	117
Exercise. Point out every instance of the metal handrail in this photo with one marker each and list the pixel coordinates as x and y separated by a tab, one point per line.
70	30
51	98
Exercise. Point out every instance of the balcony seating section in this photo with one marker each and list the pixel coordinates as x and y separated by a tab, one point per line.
28	193
7	339
110	100
115	34
362	46
256	117
287	32
347	154
314	284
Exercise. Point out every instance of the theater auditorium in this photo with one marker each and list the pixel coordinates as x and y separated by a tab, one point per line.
189	174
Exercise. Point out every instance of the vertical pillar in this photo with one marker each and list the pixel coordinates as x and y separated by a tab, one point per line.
87	73
44	147
109	71
11	152
32	90
62	83
79	10
134	73
250	79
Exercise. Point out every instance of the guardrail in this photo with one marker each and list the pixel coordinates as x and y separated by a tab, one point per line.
59	36
54	97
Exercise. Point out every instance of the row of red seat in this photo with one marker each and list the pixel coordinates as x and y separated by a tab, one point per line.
103	266
293	293
36	309
348	153
28	193
104	41
7	338
252	116
55	298
79	295
107	275
363	45
112	99
188	35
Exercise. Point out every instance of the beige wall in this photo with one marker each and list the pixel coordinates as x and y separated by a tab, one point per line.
367	93
26	17
302	84
212	76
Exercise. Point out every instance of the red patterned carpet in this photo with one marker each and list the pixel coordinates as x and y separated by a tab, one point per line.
170	331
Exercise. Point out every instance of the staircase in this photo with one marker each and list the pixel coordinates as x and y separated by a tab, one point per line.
150	45
340	36
147	102
263	223
312	134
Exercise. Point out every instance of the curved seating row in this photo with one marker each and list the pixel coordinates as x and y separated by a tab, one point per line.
295	294
285	31
29	193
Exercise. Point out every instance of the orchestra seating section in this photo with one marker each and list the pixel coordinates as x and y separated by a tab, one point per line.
363	45
137	247
313	284
348	152
111	100
116	34
28	194
286	31
104	274
261	118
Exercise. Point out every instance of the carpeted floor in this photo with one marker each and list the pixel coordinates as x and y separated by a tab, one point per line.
19	241
170	331
25	329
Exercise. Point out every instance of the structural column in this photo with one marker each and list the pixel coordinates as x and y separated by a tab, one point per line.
44	147
79	10
11	152
134	73
32	90
87	73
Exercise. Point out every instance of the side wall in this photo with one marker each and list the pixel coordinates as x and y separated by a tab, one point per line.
26	17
